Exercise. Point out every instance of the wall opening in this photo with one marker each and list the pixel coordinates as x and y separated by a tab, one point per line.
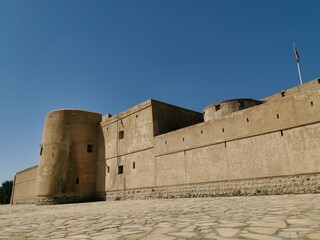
278	116
217	107
89	148
41	149
108	169
283	93
225	144
201	131
134	165
182	139
120	169
311	103
77	180
222	129
319	80
165	142
241	104
281	132
121	134
247	119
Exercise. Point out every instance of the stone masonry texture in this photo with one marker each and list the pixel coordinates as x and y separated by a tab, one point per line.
298	184
245	217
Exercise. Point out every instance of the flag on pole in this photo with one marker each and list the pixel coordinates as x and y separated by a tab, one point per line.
296	54
298	61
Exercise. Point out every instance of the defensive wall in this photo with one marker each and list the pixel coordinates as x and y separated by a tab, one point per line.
269	147
157	150
24	186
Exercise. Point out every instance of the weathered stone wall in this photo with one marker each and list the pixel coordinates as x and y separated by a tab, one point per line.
68	156
224	108
24	189
276	139
297	184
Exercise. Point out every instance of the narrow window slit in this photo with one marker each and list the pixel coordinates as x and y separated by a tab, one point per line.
89	148
121	134
120	169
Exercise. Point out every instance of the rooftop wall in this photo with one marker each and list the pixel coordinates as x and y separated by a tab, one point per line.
312	85
291	111
224	108
168	118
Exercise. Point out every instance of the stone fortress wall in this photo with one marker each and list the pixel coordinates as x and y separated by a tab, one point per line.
156	150
24	187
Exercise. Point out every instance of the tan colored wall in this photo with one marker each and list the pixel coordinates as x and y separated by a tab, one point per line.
137	128
267	140
265	146
312	85
66	170
273	116
136	146
223	108
141	176
25	186
168	118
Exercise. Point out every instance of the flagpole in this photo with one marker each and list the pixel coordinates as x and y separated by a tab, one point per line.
298	65
298	61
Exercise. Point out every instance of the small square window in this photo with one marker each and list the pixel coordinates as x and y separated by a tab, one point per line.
218	107
121	134
89	148
120	169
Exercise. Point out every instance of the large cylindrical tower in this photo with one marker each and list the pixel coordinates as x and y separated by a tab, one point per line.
69	150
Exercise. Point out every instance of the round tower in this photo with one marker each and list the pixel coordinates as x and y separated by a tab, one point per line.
223	108
66	169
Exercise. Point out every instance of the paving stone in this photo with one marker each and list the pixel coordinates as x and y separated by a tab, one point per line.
304	222
227	232
259	217
288	234
314	235
183	234
259	237
262	230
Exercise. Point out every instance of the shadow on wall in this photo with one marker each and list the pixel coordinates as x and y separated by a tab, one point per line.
100	187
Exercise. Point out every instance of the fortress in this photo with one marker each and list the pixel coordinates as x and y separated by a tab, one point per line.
156	150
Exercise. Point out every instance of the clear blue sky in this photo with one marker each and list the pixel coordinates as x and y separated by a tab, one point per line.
109	55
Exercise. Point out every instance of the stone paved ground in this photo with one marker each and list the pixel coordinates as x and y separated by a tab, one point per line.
264	218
